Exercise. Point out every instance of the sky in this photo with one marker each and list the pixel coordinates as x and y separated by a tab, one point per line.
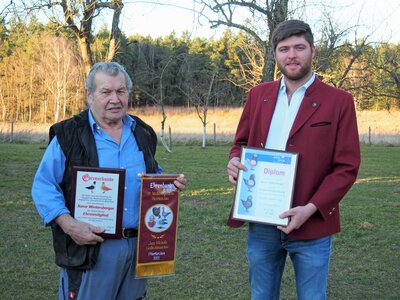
161	17
146	18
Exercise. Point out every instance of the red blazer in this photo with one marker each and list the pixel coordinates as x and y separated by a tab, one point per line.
324	134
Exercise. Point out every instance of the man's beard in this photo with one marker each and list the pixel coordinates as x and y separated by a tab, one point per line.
300	74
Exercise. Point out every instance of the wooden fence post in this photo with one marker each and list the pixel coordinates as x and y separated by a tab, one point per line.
215	134
12	132
170	137
369	135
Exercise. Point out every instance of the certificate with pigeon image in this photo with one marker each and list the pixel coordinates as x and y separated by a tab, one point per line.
265	190
97	198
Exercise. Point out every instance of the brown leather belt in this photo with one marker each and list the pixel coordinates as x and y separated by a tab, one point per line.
129	233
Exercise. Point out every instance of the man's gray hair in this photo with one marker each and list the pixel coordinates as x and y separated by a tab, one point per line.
110	68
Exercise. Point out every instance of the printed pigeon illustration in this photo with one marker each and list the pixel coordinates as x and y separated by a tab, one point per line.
162	222
105	188
251	182
252	161
248	202
91	187
156	211
151	222
165	214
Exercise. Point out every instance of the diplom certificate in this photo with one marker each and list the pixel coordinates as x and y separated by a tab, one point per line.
265	189
158	221
97	197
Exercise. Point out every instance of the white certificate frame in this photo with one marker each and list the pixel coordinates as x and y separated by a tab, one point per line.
97	198
265	189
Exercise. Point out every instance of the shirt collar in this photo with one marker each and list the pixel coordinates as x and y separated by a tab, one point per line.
127	121
304	86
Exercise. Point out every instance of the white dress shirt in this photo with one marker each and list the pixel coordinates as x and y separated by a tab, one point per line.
284	115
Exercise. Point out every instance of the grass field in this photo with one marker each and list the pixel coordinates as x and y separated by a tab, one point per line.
375	127
211	262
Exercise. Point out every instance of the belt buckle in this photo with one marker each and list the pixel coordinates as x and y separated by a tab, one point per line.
123	233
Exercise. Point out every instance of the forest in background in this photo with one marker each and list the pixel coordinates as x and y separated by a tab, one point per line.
43	66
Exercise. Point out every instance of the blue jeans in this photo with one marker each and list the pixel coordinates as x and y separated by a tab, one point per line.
267	248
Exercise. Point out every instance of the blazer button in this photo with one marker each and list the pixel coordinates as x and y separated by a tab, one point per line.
330	213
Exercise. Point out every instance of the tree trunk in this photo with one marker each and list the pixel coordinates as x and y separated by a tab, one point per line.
3	106
164	117
87	60
269	65
45	110
115	32
203	145
205	122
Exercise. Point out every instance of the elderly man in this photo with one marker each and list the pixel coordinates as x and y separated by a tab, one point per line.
102	136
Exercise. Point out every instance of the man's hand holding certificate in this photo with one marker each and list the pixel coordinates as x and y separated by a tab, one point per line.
264	190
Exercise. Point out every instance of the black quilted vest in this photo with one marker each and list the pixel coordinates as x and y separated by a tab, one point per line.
77	142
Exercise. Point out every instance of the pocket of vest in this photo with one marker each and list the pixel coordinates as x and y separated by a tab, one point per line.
70	255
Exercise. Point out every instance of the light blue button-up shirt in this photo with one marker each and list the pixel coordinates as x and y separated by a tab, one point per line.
284	115
47	194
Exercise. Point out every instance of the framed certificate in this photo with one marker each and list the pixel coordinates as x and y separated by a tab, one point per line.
265	190
97	198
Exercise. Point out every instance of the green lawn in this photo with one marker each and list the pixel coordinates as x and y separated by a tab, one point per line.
211	262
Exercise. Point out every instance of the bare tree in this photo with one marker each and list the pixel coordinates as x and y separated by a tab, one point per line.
156	73
339	59
230	13
248	62
382	81
336	56
78	16
200	88
159	100
57	71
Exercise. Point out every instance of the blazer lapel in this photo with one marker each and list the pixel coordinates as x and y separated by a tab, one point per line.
267	109
308	107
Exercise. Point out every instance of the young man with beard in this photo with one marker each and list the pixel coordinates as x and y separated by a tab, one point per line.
298	113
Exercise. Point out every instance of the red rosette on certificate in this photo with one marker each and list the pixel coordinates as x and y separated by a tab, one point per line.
158	223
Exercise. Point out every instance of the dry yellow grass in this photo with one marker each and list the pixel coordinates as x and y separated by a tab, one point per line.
186	121
379	126
376	127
